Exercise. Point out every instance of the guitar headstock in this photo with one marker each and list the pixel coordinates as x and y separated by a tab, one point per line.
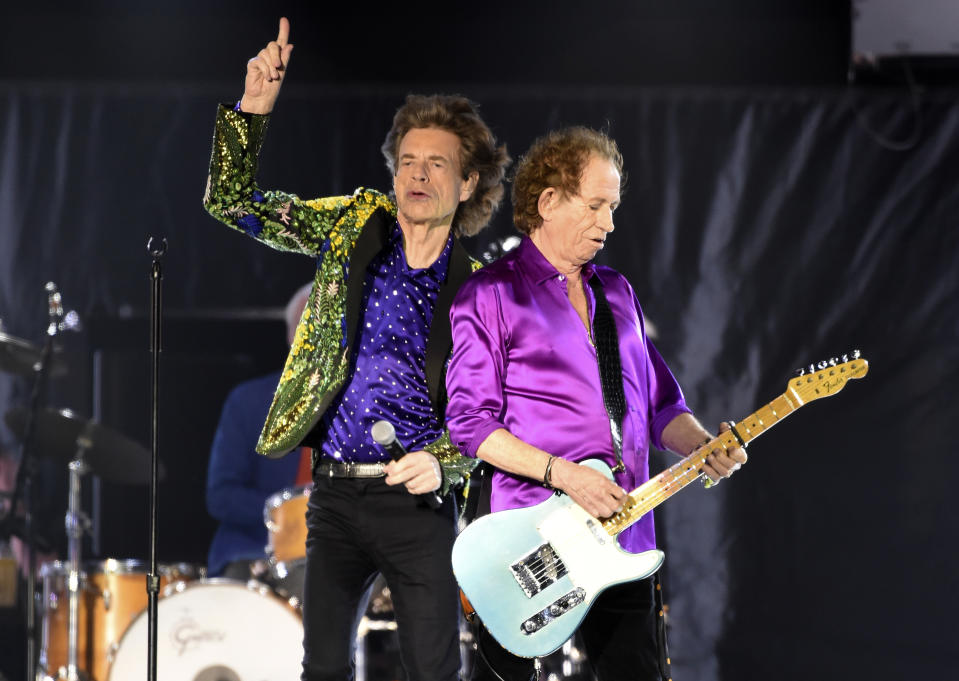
828	377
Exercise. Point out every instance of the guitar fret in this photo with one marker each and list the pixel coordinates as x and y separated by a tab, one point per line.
658	489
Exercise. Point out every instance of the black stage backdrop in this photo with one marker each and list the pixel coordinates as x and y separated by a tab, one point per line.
762	230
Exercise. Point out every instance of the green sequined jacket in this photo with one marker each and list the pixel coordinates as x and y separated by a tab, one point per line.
343	233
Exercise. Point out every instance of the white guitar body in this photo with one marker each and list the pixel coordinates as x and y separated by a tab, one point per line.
533	573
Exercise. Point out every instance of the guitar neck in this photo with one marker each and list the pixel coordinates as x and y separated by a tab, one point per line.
658	489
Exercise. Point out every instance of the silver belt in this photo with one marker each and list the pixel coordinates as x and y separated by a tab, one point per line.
348	469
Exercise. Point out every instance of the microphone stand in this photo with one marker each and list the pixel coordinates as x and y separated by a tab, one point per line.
157	249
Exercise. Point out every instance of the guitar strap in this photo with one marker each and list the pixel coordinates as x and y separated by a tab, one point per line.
610	368
477	493
611	379
665	664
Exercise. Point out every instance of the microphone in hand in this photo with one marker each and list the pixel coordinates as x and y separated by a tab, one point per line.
384	434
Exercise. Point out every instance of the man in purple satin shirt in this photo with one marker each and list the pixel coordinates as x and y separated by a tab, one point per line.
525	392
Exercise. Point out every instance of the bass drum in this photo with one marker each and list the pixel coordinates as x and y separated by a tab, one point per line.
216	630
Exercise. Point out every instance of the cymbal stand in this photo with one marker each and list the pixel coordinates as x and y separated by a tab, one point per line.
76	523
23	489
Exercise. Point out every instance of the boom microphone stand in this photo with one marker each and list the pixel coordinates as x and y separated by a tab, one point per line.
157	249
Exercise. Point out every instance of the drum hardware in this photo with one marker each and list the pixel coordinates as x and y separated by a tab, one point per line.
109	455
97	449
284	514
112	651
76	523
367	625
106	447
21	357
112	595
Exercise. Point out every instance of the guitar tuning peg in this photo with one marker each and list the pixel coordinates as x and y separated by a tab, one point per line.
833	361
800	371
822	365
845	358
855	354
811	369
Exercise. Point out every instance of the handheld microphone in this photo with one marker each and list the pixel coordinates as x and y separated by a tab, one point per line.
384	434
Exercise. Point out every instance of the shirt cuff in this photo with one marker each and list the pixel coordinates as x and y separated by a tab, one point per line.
662	420
480	433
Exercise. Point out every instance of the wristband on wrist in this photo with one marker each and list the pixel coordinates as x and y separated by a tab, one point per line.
548	473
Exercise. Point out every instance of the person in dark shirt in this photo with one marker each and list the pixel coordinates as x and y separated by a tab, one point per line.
239	481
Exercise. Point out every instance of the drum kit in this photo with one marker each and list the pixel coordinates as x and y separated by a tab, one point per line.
91	615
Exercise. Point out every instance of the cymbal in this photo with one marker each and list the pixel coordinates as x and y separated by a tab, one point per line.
18	356
110	455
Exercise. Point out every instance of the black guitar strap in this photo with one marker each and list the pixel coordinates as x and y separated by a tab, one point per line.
611	378
610	368
665	665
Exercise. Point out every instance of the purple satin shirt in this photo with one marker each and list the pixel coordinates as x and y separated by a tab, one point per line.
522	360
388	379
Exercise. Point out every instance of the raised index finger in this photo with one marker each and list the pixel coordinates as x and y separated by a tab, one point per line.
284	34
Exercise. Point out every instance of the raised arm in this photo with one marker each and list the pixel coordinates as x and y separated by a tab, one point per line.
279	219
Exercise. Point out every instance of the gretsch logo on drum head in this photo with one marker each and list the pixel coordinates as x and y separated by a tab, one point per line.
188	635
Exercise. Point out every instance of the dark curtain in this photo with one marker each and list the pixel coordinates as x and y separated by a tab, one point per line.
762	230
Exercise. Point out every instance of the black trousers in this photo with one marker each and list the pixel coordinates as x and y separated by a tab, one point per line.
356	528
622	634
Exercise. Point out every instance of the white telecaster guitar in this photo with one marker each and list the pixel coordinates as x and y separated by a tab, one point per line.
531	574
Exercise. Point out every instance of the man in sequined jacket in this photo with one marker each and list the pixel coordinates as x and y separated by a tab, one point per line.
372	344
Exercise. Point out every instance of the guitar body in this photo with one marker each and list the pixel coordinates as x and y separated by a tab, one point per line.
533	573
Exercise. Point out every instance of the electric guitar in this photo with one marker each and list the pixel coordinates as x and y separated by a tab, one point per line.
531	574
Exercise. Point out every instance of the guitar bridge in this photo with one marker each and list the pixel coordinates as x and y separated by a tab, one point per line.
558	607
538	569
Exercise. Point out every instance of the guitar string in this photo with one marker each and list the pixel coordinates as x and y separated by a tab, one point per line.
672	475
766	417
677	477
538	568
